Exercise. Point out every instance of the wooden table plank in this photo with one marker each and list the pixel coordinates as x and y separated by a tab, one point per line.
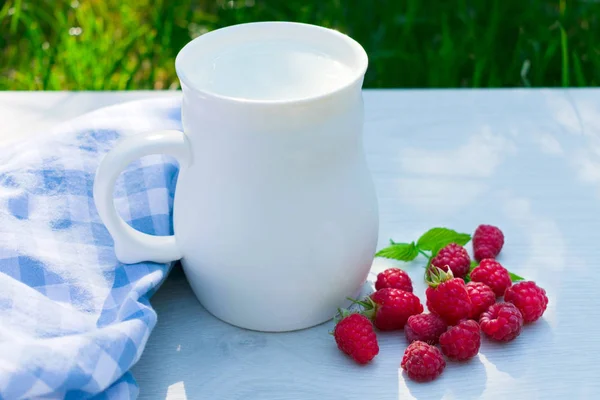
526	160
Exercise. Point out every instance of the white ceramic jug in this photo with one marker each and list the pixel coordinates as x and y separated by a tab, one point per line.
275	213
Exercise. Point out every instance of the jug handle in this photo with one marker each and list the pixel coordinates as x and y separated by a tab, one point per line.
131	245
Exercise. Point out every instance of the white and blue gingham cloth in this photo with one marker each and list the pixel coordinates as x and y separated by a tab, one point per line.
73	320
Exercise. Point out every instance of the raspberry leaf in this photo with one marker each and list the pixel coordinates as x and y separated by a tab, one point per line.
474	264
437	238
399	251
515	277
436	249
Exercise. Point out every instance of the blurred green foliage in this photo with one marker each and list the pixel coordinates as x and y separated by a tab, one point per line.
116	44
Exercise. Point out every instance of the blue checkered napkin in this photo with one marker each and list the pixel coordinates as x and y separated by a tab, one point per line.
73	320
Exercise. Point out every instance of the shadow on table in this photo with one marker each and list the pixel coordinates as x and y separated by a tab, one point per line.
503	356
452	380
193	355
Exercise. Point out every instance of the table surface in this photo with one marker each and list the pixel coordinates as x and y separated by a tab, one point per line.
525	160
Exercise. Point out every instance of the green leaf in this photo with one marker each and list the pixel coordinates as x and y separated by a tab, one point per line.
436	249
474	264
515	277
399	251
437	238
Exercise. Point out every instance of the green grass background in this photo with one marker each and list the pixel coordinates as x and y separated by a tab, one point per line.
129	44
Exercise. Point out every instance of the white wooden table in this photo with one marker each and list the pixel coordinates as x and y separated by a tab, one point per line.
526	160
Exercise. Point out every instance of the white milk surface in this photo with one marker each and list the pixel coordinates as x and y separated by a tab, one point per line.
269	70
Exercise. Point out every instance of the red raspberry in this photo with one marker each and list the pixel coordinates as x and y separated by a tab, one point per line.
461	342
482	297
455	257
424	327
493	274
394	278
529	298
354	336
423	362
501	322
390	308
447	296
487	242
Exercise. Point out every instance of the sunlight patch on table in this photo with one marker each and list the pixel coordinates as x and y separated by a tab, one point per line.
176	391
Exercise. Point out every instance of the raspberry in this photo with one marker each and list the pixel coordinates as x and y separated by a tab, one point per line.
529	298
423	362
493	274
455	257
390	308
447	296
354	336
425	328
461	342
482	296
394	278
501	322
487	242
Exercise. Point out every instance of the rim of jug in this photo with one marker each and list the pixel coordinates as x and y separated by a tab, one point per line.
239	32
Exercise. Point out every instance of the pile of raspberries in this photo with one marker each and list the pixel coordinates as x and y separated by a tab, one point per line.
458	311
